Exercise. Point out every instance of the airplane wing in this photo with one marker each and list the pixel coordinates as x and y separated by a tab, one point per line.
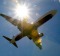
36	38
45	18
10	19
38	42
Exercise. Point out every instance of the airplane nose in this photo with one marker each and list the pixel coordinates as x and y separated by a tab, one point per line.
53	12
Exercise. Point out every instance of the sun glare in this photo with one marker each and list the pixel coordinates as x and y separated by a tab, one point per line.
21	11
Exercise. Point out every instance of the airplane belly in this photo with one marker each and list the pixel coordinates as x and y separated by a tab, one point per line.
25	28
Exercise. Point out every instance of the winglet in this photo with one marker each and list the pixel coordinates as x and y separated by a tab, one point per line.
11	41
39	46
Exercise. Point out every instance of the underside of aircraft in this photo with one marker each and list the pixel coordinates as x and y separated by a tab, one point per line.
29	30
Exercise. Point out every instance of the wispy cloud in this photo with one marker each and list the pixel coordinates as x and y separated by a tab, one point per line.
56	0
59	0
15	1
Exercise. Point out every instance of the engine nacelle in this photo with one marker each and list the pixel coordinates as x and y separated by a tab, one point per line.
41	34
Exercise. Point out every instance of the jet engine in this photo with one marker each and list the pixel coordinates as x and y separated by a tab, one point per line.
41	34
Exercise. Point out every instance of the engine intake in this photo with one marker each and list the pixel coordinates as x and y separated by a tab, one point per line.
41	34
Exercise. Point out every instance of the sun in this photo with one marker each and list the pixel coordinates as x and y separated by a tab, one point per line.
21	11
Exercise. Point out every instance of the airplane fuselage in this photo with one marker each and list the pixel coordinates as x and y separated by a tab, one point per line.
26	28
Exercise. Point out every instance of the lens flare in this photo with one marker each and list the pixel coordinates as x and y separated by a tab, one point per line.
21	11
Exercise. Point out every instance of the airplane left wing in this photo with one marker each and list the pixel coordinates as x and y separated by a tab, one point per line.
36	38
10	19
38	42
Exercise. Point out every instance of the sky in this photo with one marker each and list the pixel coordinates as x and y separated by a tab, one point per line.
26	47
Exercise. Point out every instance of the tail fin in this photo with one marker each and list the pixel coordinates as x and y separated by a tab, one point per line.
11	41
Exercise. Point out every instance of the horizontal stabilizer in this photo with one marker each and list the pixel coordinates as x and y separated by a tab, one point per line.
10	40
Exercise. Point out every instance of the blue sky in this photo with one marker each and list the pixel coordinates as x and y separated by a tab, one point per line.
51	30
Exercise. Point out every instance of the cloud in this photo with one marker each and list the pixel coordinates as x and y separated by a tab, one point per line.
59	0
15	1
56	1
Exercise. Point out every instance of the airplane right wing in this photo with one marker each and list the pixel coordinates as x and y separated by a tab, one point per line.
10	19
45	18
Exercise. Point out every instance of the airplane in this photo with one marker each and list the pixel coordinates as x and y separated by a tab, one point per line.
28	29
